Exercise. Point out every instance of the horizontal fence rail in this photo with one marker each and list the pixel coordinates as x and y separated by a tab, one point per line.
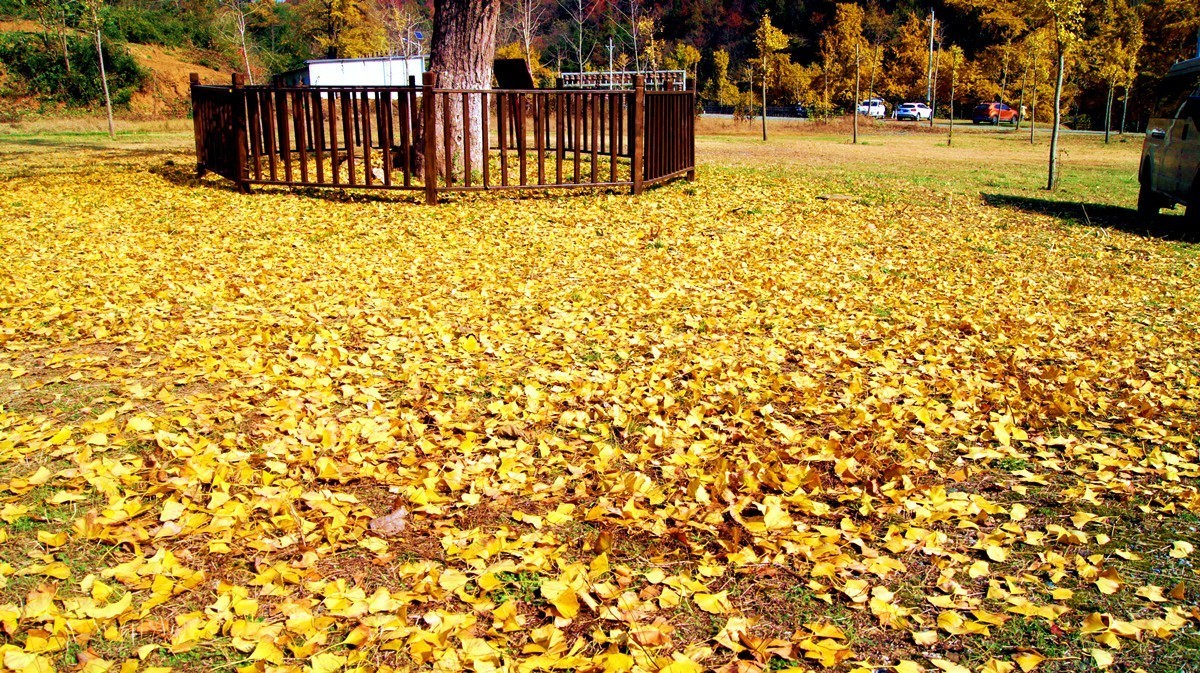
440	140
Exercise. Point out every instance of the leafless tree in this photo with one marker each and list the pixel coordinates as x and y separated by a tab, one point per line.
401	22
94	24
239	13
579	15
525	19
53	15
633	17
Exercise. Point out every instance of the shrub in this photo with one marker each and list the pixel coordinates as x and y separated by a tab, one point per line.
39	67
156	26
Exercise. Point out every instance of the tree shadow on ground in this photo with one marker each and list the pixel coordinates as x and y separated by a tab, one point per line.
1166	227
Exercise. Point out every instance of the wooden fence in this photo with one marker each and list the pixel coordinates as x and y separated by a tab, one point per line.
404	137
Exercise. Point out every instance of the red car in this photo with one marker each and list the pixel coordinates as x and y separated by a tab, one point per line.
994	113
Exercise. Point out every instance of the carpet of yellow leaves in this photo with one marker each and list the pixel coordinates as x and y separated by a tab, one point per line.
726	425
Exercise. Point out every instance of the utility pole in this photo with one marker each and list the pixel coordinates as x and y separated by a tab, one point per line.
933	90
610	62
929	69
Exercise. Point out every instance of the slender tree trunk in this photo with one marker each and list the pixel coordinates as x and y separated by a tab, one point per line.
854	111
1021	104
1033	99
953	73
246	60
241	19
463	48
112	134
1052	178
1112	84
764	100
62	40
826	59
579	49
1124	109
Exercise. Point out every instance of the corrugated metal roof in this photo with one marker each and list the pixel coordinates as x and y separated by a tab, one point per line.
1188	68
365	59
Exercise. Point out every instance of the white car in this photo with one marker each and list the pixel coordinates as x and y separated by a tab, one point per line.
913	112
873	107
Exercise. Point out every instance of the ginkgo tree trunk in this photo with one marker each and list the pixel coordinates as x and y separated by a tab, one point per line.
462	51
1066	17
94	10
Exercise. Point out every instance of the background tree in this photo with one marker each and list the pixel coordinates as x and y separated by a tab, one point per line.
523	21
401	21
955	57
54	16
1113	52
906	72
344	28
580	16
647	31
1065	18
240	15
629	21
769	41
684	57
720	88
94	24
838	45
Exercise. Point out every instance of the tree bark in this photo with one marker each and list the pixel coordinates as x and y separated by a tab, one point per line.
1052	178
62	40
112	134
1124	109
463	49
242	27
1108	110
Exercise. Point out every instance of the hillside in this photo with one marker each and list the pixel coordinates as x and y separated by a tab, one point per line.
166	93
163	94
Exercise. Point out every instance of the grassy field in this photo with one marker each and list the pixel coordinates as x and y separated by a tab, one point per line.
890	406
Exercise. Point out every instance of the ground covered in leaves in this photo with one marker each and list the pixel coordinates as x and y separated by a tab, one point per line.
727	425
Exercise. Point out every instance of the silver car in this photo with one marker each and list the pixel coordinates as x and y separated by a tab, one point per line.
1170	171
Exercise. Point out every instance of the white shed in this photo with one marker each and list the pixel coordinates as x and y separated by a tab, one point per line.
374	71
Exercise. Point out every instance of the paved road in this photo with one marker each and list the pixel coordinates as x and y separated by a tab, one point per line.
958	123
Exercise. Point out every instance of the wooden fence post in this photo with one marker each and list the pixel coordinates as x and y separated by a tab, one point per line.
639	136
429	109
239	130
194	81
691	131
